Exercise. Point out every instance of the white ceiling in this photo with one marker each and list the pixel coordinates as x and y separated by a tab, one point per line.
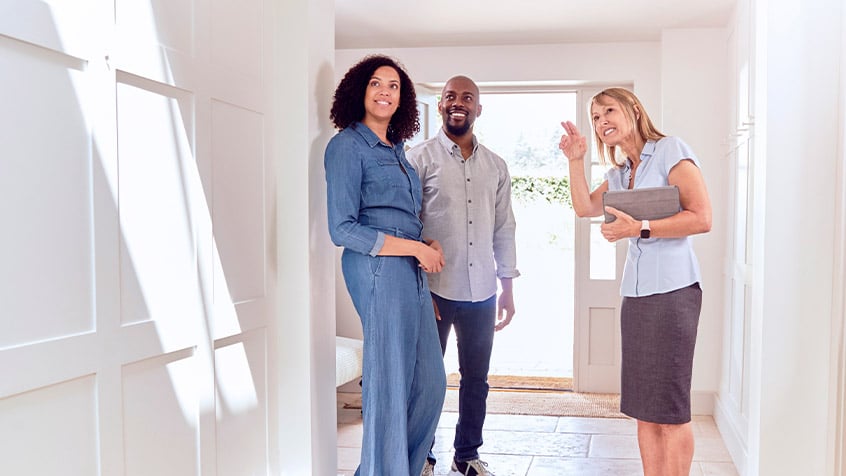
421	23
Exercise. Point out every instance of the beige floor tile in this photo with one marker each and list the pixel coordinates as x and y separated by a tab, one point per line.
711	450
535	444
520	423
444	459
349	435
443	440
518	445
448	420
614	446
348	458
718	469
597	426
545	466
500	465
704	426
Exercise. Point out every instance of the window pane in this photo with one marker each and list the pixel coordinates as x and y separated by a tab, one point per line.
603	255
525	129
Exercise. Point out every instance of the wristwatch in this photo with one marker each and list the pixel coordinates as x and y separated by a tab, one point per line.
645	231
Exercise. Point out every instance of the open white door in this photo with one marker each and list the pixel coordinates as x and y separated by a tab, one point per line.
598	269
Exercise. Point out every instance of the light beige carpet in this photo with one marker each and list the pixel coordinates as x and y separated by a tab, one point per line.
598	405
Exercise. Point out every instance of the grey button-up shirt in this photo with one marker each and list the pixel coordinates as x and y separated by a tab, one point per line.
467	208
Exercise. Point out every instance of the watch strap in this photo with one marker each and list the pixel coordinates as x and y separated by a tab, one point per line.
645	231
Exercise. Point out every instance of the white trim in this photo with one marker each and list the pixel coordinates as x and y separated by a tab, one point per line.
733	437
837	431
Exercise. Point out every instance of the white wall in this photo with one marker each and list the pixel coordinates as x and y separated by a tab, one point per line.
304	342
837	430
661	73
695	109
796	112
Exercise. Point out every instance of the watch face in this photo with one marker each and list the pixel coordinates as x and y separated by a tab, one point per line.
644	233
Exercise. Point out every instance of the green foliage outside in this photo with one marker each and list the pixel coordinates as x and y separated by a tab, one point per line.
533	189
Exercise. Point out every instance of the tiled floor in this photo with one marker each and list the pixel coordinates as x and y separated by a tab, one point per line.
544	445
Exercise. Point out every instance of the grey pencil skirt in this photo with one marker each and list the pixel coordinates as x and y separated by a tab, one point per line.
658	338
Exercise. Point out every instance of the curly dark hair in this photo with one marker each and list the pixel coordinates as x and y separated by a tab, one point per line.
348	102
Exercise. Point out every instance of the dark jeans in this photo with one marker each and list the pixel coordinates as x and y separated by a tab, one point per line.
474	332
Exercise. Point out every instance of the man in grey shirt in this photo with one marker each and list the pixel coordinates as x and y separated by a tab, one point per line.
467	208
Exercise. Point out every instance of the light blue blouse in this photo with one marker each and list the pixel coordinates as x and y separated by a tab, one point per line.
656	265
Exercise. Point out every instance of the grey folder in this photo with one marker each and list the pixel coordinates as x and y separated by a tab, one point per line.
649	203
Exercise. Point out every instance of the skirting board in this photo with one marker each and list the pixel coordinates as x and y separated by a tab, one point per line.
729	426
702	403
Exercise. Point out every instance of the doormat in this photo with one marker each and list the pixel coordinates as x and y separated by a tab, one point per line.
519	382
560	404
596	405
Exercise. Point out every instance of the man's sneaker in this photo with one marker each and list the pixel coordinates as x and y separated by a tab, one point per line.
474	467
428	469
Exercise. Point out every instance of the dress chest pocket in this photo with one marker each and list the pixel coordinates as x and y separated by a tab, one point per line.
386	172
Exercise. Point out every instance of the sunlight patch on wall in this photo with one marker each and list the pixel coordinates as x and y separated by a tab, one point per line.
235	386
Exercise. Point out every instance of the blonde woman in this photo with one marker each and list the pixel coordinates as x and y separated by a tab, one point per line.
661	290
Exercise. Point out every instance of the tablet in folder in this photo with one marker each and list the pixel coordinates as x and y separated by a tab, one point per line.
648	203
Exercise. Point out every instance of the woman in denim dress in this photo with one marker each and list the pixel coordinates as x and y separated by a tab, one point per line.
374	200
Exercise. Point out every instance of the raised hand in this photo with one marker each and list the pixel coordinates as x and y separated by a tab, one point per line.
573	143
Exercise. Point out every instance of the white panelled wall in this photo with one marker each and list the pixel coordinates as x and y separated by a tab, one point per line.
166	302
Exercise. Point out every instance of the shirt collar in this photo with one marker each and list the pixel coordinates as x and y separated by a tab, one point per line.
451	146
648	150
645	154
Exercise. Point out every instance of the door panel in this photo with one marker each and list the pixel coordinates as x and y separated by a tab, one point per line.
238	183
61	417
44	198
161	415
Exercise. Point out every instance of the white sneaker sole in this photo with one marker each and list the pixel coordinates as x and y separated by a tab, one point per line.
455	472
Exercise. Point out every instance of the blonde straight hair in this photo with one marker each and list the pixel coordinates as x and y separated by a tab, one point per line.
635	114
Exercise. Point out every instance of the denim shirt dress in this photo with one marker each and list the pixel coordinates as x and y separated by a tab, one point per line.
372	191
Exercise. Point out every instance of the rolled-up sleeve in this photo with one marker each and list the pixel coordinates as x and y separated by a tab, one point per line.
505	228
343	167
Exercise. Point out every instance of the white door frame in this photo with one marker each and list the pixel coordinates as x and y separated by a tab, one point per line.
596	343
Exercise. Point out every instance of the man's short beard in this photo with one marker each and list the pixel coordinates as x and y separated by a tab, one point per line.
457	130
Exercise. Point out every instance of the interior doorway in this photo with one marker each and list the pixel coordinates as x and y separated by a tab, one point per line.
536	350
